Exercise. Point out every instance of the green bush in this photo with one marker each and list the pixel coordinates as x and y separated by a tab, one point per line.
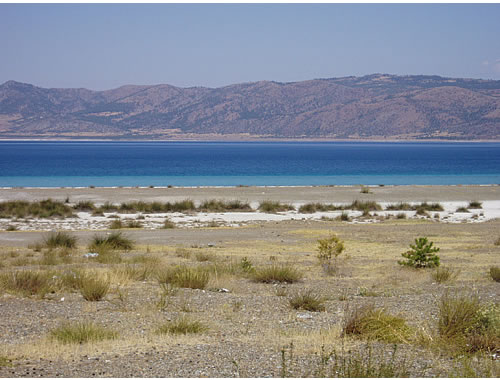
421	255
81	332
329	249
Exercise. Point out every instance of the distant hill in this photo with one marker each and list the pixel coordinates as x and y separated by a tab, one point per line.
378	106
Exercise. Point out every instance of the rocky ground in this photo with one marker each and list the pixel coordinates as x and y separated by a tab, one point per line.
251	329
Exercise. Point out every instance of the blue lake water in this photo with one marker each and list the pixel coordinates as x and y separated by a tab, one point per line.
62	163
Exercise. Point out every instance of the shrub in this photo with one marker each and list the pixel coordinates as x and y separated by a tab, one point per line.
113	241
444	274
475	204
421	255
376	324
495	273
274	206
307	301
181	326
11	227
81	332
401	215
497	242
429	207
246	265
329	249
60	239
310	208
184	277
277	273
462	209
93	287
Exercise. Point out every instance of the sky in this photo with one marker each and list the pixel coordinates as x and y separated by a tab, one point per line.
104	46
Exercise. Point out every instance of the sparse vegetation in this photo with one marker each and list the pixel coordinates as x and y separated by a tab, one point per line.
41	209
421	255
11	227
81	332
462	209
84	206
182	325
310	208
133	224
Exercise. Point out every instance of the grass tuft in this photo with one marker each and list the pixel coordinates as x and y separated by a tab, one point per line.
113	241
444	274
60	239
475	204
184	277
277	273
274	206
81	332
376	324
182	326
93	287
307	301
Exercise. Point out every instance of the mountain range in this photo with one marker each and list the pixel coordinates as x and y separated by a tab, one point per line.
378	106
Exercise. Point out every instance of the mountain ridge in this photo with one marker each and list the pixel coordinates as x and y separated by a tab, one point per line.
376	106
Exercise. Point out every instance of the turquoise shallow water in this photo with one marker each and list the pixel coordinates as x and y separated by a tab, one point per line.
73	164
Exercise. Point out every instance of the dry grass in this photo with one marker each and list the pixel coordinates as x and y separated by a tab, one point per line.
93	286
277	273
307	301
376	324
184	277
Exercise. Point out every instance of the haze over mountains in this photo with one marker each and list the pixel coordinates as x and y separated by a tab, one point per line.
378	106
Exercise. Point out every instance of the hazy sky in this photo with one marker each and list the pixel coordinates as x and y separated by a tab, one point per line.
101	46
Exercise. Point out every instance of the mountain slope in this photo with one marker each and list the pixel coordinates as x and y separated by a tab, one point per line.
374	106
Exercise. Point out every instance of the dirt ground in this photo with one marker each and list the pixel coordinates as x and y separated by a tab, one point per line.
252	331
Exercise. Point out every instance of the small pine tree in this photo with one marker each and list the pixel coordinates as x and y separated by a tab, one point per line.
421	255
